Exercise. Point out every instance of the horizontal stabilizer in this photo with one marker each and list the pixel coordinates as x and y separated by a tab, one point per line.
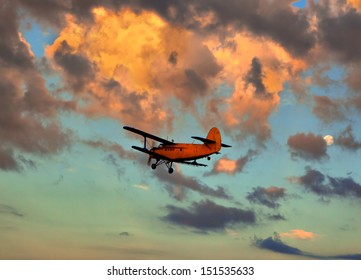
193	163
204	140
225	145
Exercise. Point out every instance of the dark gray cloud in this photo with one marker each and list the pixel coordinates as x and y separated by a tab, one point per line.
328	109
255	77
347	140
177	192
276	20
243	160
28	111
326	186
276	217
77	68
115	149
266	196
353	78
173	58
209	216
9	210
307	146
340	33
275	244
108	146
7	160
194	82
59	180
49	12
28	163
178	179
110	159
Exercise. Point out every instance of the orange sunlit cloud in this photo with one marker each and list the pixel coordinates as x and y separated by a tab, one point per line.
275	191
278	66
148	62
148	59
299	234
226	165
355	4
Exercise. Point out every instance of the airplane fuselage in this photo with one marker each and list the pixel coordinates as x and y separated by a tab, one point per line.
183	151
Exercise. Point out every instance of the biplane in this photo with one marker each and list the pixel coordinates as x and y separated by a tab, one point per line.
187	153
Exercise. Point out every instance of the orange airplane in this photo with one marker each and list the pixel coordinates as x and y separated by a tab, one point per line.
168	151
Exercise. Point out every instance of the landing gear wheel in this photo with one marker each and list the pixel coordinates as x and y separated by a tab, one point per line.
170	170
154	166
209	158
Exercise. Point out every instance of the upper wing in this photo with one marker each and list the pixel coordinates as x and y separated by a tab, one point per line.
147	135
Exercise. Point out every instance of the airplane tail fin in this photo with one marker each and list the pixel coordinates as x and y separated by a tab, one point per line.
215	136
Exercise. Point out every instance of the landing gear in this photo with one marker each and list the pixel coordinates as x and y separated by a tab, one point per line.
209	158
167	163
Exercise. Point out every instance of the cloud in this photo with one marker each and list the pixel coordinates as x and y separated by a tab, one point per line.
209	216
7	161
275	244
190	51
48	12
113	148
77	68
110	159
266	196
263	70
28	163
177	192
326	186
59	180
185	67
299	234
347	140
255	77
183	181
331	29
307	146
108	146
275	20
229	166
276	217
9	210
143	187
29	120
327	109
191	62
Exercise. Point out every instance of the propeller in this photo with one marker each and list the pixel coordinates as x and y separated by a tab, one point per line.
152	146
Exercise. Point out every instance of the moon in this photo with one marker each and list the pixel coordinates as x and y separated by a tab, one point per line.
328	139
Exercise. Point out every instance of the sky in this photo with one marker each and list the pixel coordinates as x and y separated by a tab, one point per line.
275	77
